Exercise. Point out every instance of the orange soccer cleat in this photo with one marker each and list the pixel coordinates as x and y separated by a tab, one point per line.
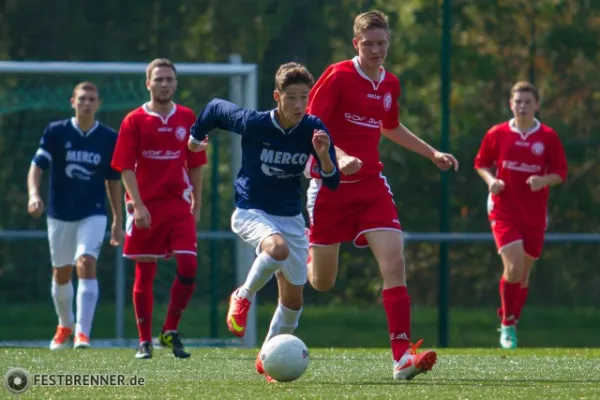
61	338
261	370
237	314
82	341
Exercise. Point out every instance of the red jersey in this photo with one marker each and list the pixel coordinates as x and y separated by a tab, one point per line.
517	156
354	108
155	147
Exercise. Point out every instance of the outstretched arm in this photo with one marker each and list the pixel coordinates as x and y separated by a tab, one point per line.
220	114
404	137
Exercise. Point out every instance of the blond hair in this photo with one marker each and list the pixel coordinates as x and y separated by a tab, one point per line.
157	63
86	85
370	20
527	87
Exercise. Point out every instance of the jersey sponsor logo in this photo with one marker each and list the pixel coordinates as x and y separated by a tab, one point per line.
522	167
537	148
82	156
369	122
165	129
280	158
283	157
180	133
275	172
387	101
374	96
161	154
76	171
74	159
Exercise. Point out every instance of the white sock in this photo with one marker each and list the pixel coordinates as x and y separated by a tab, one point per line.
87	297
62	296
284	320
261	272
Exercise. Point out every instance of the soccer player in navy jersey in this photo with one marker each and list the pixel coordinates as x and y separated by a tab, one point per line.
77	152
276	146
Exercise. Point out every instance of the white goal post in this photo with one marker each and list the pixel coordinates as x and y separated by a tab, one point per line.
243	90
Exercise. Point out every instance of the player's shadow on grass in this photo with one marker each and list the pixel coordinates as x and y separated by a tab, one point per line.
517	382
455	382
445	382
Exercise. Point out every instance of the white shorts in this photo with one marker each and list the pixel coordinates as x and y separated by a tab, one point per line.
254	226
70	240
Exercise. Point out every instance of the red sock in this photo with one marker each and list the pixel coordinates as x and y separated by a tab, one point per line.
181	290
396	303
521	299
509	293
143	298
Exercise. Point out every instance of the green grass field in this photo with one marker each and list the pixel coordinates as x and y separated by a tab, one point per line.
333	374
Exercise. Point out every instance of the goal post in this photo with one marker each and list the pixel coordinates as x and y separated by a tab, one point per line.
242	90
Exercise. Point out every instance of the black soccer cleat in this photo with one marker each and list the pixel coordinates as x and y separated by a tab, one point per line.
144	351
172	341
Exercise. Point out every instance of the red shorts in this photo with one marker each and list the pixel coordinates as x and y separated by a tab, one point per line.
506	233
347	213
172	230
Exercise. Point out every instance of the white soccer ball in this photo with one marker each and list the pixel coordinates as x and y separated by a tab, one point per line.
285	358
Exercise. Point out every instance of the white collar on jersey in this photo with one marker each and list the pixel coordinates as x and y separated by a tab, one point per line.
276	124
81	132
146	108
364	75
512	124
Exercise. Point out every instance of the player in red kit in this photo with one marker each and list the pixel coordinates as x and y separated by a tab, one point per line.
528	157
164	185
358	101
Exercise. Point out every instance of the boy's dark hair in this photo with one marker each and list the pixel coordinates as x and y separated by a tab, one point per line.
293	73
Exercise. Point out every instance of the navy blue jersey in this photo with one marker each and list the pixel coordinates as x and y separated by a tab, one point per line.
273	159
79	163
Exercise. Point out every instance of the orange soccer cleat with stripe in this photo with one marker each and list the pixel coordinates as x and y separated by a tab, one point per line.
237	315
412	363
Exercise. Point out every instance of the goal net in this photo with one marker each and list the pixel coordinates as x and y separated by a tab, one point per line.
32	95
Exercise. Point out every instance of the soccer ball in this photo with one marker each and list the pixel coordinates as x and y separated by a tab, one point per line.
285	358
